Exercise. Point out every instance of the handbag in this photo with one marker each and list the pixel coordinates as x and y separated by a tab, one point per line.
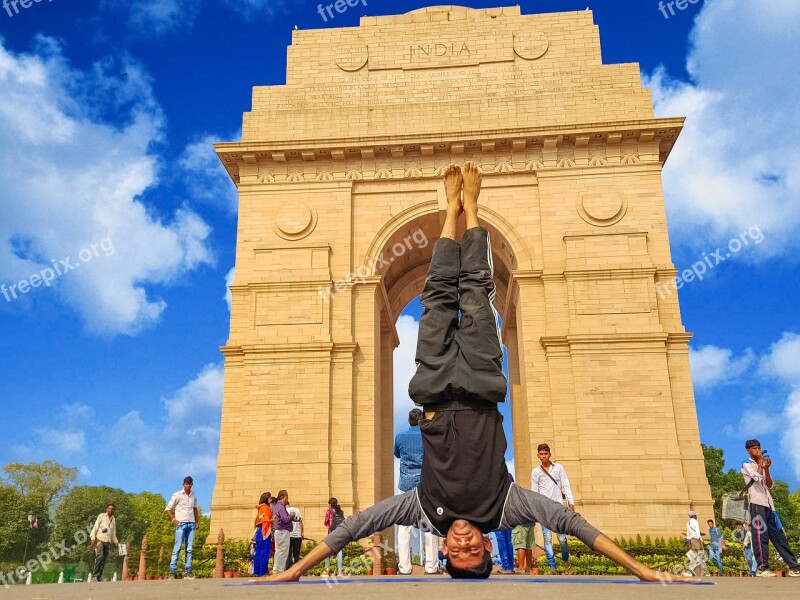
736	505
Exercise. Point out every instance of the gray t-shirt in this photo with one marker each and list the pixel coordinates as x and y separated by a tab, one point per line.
522	507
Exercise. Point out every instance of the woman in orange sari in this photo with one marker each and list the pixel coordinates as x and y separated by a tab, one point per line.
263	536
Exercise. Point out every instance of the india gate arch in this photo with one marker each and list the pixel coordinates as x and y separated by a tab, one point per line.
344	163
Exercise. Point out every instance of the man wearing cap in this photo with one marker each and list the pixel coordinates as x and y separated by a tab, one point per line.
697	563
182	511
762	512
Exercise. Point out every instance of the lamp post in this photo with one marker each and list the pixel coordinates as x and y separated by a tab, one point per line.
31	519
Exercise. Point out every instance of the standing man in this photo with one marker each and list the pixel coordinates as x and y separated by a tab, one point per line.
182	511
747	546
104	533
715	547
408	448
296	537
550	479
762	512
697	564
282	531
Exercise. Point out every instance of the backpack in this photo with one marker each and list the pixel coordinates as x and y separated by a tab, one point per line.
338	519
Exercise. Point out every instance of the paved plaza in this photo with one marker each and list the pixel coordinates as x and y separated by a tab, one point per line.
498	587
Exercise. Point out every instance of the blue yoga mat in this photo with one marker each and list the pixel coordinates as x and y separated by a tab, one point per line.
394	579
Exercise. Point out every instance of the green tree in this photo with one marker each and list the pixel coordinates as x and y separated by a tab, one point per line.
13	524
787	507
721	481
42	484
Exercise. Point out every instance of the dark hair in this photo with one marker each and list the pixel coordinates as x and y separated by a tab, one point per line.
414	416
750	443
283	494
112	504
264	498
334	504
480	571
541	447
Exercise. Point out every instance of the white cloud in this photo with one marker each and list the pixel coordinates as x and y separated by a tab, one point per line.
404	369
782	364
251	8
71	178
190	430
84	472
783	360
204	176
70	442
734	164
755	423
712	366
228	283
157	16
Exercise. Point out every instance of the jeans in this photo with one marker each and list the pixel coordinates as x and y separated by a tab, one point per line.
750	559
548	547
184	534
339	560
100	555
714	555
505	549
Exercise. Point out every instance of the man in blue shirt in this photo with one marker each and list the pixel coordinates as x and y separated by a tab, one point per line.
408	448
715	548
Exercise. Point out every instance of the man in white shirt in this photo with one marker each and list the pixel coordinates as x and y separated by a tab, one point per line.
762	512
550	479
182	511
697	553
296	536
104	533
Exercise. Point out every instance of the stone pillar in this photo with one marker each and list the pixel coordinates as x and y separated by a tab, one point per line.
219	567
142	575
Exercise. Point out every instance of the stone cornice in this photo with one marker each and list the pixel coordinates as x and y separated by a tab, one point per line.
614	343
623	143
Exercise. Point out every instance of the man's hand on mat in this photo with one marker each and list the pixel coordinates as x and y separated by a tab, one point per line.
665	577
288	575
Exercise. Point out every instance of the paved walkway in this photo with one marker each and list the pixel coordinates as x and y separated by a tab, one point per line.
399	588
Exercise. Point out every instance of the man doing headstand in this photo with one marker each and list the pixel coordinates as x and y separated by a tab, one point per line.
465	491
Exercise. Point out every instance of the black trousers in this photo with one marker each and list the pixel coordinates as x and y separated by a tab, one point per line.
765	530
101	551
459	359
294	551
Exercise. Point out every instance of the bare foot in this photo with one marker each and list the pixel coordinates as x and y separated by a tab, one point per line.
472	188
452	187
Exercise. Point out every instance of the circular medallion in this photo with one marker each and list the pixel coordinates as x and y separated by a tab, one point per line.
602	208
530	46
296	221
352	56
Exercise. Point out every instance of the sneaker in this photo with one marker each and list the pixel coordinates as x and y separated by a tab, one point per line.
794	572
765	573
172	576
188	576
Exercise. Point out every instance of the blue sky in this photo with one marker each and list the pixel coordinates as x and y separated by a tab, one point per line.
110	189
